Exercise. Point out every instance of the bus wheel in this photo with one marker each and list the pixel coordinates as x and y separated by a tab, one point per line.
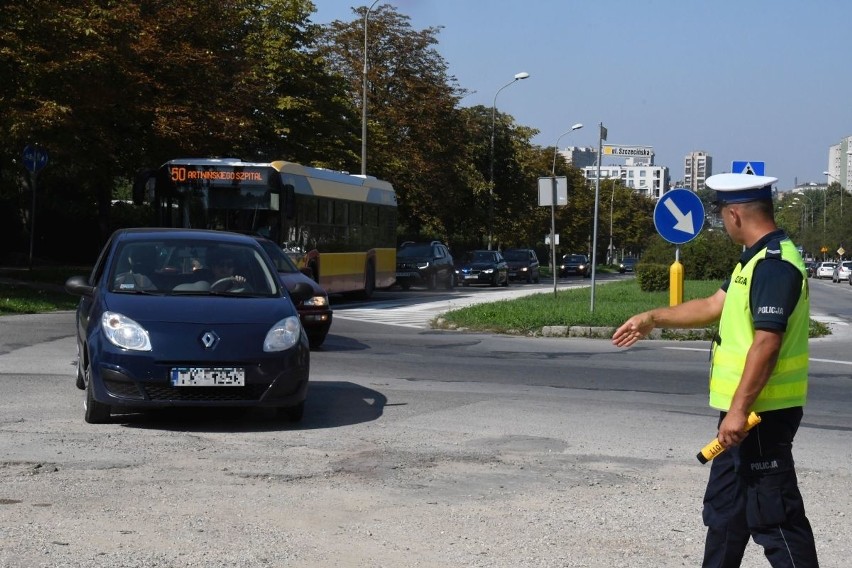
369	283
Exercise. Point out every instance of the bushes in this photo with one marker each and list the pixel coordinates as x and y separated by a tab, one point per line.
652	277
709	256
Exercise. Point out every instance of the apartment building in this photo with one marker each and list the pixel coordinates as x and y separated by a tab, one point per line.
697	167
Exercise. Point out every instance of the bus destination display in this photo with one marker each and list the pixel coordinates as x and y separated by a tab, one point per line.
219	176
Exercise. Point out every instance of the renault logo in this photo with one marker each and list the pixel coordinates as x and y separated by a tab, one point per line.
209	339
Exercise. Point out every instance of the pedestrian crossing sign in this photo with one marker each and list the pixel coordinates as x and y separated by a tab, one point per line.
751	168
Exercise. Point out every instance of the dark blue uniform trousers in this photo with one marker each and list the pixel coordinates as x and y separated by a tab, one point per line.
753	492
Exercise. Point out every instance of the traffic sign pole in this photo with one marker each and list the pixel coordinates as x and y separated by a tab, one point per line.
678	217
676	280
35	159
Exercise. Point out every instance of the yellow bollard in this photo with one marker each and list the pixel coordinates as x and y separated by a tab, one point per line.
676	283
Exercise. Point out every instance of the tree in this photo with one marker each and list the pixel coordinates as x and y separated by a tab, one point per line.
112	87
416	135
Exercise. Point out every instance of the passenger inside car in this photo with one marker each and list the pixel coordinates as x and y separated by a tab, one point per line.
140	266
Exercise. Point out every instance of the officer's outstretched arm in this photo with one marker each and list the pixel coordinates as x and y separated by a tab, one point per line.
694	313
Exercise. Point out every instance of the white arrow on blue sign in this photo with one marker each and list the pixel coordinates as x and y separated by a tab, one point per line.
679	216
35	158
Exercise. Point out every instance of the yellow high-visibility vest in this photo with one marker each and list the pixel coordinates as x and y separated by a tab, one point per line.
788	384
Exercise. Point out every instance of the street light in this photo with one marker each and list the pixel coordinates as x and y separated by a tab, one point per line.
611	250
811	202
842	191
364	98
518	77
577	126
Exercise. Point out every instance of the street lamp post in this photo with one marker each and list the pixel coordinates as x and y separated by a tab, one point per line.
611	250
364	97
842	191
518	77
577	126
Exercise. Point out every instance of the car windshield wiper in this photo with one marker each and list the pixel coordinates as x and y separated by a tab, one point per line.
137	291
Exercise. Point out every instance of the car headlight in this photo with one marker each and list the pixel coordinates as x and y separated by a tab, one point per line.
423	265
123	332
524	269
283	335
488	270
316	301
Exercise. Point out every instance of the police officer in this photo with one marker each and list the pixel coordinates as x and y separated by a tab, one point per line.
759	363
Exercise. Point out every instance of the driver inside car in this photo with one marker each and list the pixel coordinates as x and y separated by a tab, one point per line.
222	266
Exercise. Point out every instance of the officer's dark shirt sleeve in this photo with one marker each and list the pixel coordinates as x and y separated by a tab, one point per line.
775	292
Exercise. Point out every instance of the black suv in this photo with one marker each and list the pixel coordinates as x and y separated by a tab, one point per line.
523	264
426	264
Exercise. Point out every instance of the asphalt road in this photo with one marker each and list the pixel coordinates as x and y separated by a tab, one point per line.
418	448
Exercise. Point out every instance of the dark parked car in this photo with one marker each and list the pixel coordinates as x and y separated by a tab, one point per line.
182	317
483	267
523	264
627	264
314	312
424	264
575	264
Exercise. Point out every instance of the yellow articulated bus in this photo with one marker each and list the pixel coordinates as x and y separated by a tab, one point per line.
342	227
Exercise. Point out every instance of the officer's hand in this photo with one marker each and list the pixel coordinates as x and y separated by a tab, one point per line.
633	330
732	430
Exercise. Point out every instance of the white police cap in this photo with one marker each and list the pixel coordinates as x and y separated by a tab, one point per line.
739	188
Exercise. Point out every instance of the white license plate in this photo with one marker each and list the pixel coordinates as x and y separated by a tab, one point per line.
471	276
208	377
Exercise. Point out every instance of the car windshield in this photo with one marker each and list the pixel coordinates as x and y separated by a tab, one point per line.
414	250
574	258
480	256
279	257
516	255
184	266
628	261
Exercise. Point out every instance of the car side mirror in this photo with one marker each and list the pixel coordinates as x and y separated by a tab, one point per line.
79	286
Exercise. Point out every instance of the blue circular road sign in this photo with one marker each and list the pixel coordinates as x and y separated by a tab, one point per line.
679	216
35	158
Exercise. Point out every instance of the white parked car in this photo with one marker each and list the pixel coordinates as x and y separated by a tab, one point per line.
825	269
841	271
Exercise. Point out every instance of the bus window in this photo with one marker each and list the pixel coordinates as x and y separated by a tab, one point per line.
342	226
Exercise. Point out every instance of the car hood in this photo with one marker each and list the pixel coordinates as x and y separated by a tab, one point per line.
290	279
200	309
412	259
476	265
518	263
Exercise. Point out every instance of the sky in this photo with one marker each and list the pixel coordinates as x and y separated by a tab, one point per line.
756	81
